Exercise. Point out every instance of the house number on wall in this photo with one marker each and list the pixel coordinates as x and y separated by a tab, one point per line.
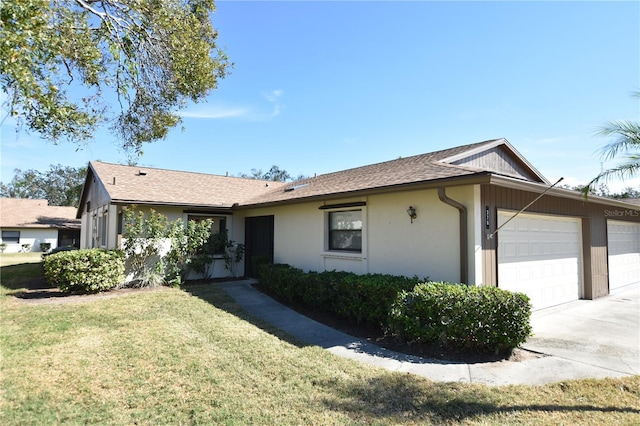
486	217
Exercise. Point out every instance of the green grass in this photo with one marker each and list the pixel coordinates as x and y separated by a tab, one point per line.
192	356
19	258
19	271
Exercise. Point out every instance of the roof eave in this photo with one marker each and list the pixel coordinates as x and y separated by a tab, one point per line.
473	179
172	204
508	182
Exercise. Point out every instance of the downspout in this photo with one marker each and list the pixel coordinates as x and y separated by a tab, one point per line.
464	258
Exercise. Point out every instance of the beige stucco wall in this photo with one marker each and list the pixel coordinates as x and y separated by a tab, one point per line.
428	247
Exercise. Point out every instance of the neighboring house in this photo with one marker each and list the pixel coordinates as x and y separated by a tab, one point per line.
26	223
562	248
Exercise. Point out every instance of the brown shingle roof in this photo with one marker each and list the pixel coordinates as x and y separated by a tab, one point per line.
26	213
403	171
135	184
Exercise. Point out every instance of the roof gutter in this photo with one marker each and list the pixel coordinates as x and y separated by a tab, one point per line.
507	182
194	206
474	179
462	210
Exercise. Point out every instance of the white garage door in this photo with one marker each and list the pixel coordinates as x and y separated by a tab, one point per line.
540	256
624	253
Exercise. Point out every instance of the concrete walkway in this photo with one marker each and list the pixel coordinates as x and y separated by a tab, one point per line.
584	339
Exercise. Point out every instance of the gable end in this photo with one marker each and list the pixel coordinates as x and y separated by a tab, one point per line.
497	161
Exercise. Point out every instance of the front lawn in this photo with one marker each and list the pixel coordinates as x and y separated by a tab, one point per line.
192	356
19	271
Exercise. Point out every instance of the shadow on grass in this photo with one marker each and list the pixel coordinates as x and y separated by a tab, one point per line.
268	314
26	281
400	398
28	276
396	397
211	293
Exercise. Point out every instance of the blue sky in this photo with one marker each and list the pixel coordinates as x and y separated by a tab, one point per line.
325	86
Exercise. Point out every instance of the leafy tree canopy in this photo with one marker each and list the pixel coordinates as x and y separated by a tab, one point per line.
603	190
275	174
135	63
60	185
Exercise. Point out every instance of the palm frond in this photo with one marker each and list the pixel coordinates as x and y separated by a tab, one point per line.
627	138
621	171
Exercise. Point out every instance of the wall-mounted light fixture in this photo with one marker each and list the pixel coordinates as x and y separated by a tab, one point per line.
412	213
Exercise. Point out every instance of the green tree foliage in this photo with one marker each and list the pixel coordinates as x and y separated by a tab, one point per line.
603	190
60	185
186	243
626	143
275	174
68	66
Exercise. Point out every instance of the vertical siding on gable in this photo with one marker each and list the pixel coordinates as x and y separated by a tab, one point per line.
498	161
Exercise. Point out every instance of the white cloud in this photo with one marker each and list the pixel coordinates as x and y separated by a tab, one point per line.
273	95
274	98
215	112
350	141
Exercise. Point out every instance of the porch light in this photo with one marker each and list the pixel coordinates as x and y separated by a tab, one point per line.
412	213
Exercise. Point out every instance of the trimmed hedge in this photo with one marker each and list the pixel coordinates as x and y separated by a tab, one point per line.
362	298
85	271
457	316
462	317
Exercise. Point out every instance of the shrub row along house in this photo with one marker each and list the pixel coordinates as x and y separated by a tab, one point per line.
448	215
31	225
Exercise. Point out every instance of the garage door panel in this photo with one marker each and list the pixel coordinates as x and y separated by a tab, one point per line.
624	253
541	257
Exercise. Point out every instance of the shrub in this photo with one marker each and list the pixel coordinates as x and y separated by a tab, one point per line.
461	317
44	247
282	280
160	252
143	240
362	298
368	298
85	271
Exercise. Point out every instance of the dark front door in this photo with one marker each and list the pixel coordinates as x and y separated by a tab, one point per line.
258	243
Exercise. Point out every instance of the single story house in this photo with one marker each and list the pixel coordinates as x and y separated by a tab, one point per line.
479	214
27	223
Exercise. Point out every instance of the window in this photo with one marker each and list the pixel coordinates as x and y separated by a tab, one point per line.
218	222
345	230
103	229
218	238
11	237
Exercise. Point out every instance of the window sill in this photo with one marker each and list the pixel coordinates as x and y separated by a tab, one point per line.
343	255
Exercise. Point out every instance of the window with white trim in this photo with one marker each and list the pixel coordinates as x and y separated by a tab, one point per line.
345	230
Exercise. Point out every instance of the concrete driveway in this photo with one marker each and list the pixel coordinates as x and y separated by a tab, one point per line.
602	335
